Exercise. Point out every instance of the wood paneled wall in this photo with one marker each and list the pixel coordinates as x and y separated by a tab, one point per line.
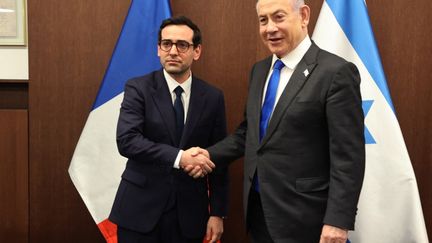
14	179
70	46
13	94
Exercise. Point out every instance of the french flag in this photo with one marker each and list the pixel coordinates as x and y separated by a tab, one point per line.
389	209
96	165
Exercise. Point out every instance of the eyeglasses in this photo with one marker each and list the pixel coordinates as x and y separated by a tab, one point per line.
181	45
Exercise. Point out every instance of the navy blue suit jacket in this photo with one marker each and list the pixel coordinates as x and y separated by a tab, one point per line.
146	136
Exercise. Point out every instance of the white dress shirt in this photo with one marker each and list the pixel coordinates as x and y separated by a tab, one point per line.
185	96
291	60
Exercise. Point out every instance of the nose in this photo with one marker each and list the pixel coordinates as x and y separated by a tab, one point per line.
173	50
271	27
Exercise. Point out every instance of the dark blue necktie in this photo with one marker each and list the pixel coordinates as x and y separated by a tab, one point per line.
267	108
179	113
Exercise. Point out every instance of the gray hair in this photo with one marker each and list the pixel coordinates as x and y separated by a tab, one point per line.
296	4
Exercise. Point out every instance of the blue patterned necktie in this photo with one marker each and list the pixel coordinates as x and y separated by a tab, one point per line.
267	108
270	97
179	113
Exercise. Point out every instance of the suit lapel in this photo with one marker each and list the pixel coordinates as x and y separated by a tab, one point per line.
196	106
256	95
163	101
299	77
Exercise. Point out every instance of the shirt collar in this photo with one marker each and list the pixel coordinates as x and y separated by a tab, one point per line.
172	83
294	57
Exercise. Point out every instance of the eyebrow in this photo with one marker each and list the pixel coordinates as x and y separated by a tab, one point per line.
279	11
274	13
175	40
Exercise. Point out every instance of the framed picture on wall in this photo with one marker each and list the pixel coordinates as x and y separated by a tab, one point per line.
13	22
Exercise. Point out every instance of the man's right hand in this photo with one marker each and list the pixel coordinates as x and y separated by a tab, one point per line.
195	161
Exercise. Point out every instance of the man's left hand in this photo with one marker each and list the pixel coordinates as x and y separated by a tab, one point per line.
214	229
332	234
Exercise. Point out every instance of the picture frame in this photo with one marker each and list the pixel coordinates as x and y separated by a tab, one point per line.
13	22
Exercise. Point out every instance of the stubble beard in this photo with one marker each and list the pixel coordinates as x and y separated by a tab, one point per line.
177	71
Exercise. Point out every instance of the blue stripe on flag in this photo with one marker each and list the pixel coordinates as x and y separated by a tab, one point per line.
367	104
135	53
353	18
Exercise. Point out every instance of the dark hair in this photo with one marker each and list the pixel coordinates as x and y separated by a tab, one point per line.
182	20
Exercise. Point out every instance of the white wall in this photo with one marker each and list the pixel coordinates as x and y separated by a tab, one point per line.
14	62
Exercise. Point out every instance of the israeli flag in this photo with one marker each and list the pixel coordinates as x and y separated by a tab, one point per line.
389	209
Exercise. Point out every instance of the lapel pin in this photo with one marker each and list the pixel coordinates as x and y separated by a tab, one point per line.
306	72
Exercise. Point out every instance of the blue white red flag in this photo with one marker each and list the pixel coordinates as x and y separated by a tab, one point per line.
96	165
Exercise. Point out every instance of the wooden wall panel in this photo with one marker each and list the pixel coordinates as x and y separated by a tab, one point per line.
13	95
70	46
14	191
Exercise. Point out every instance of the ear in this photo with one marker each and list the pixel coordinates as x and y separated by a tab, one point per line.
305	15
197	52
158	51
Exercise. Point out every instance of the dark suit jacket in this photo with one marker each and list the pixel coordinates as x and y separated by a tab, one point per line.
310	163
146	136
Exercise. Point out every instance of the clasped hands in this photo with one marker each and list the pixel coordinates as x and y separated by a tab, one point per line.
196	162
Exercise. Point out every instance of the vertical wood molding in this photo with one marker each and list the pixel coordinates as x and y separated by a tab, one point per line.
14	191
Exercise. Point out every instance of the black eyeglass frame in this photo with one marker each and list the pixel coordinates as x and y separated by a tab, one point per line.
182	49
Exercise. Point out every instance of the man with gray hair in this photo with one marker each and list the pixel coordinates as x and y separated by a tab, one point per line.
302	135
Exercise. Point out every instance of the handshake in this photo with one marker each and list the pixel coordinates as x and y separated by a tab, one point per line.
196	162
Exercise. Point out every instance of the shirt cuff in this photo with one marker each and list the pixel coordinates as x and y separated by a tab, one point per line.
177	160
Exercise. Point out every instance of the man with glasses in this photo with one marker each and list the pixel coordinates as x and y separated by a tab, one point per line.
162	113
